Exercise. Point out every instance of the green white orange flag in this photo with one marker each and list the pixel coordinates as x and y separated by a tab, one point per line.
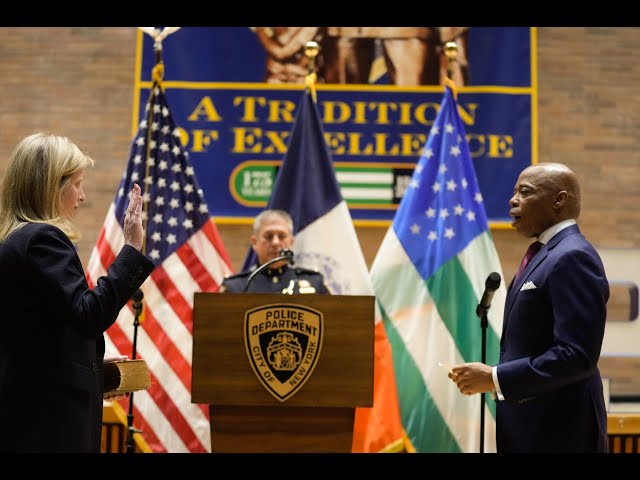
428	277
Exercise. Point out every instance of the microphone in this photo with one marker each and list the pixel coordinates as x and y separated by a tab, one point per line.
285	254
491	285
136	302
138	296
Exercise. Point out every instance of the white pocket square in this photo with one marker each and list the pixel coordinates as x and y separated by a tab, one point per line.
528	286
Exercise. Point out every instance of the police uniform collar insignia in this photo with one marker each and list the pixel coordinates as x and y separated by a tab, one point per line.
274	271
274	274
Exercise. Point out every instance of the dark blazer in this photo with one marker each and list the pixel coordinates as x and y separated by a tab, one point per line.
51	340
551	340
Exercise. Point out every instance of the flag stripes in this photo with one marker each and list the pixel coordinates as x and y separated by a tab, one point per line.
185	246
428	277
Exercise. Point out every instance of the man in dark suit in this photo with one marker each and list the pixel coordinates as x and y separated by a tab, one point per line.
273	233
547	384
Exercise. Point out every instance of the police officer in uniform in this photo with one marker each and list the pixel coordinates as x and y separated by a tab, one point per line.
273	232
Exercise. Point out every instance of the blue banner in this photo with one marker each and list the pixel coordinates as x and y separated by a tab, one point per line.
234	97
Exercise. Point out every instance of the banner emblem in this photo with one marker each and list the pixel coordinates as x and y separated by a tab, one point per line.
283	343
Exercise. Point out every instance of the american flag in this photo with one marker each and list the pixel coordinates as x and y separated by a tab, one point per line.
183	242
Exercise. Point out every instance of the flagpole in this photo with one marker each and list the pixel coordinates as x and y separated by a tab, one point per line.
451	52
138	296
311	51
157	74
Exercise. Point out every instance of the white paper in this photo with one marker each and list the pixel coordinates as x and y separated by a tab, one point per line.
446	366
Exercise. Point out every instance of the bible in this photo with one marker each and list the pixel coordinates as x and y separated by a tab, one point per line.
125	376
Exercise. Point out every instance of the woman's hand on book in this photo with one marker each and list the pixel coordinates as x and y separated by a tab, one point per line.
113	357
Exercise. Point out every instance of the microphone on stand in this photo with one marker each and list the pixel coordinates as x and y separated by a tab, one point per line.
491	285
136	302
285	254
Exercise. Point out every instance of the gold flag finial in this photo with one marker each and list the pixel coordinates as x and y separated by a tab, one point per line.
158	34
451	52
311	51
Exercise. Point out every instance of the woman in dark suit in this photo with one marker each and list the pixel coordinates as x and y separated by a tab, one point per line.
547	383
52	323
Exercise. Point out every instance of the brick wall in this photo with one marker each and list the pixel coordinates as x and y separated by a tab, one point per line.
79	82
76	82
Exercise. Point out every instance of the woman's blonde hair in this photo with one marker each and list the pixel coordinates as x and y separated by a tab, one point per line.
37	175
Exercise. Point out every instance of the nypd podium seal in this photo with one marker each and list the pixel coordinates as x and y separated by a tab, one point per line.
283	343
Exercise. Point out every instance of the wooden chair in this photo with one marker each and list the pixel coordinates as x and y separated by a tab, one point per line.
623	430
114	431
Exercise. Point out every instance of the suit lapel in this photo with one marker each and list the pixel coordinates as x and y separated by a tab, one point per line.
515	286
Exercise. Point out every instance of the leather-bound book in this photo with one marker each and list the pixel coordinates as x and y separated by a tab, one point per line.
125	376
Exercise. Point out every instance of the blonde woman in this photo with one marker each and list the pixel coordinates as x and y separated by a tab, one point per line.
52	345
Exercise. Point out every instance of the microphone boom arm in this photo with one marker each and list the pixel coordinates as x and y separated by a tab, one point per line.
284	255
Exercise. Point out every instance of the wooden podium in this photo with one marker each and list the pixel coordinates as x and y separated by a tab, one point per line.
282	373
